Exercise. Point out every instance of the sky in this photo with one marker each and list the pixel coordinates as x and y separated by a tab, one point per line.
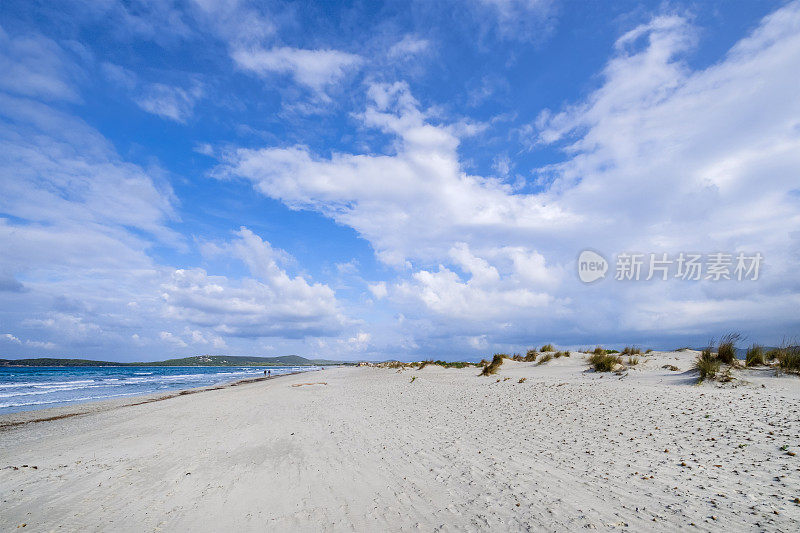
409	179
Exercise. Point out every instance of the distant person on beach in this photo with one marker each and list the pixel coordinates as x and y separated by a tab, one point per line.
270	373
265	372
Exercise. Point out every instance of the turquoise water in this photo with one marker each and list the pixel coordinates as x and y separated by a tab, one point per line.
27	388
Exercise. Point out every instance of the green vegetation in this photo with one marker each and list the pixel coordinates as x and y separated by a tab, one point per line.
633	361
522	380
600	351
547	348
531	355
494	366
726	352
707	364
545	358
603	362
200	360
755	356
631	350
789	359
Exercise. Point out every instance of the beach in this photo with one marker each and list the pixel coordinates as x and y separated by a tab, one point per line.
371	449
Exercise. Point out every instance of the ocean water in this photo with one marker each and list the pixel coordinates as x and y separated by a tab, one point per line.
28	388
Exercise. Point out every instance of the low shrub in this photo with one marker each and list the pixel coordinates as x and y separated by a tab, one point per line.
423	364
530	356
545	358
517	357
755	356
604	362
599	351
547	348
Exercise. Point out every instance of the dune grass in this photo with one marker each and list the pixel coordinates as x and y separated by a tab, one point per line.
522	380
530	355
755	356
603	362
631	350
494	366
632	360
599	350
789	359
547	348
707	364
726	351
545	358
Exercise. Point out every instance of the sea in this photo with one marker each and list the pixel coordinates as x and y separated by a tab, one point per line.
28	388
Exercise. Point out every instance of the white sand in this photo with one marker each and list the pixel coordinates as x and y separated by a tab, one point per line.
370	451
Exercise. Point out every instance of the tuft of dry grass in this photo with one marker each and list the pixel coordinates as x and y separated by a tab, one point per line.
726	351
522	380
423	364
531	355
631	350
755	356
494	366
547	348
633	361
412	379
599	351
545	358
603	362
789	359
707	364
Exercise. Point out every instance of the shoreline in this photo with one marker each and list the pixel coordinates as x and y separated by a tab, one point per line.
47	414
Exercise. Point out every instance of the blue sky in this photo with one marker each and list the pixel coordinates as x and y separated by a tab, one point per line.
398	179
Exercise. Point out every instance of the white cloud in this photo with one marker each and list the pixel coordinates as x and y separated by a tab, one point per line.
378	289
315	69
174	103
168	337
47	345
271	304
659	158
33	65
10	338
517	19
408	46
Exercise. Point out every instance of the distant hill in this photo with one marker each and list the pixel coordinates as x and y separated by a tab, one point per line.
199	360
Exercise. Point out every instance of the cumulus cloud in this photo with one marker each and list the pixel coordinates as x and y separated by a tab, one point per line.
655	159
270	304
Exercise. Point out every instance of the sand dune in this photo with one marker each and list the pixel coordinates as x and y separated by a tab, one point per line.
372	451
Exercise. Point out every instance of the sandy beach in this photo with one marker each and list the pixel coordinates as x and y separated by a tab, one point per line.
368	449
